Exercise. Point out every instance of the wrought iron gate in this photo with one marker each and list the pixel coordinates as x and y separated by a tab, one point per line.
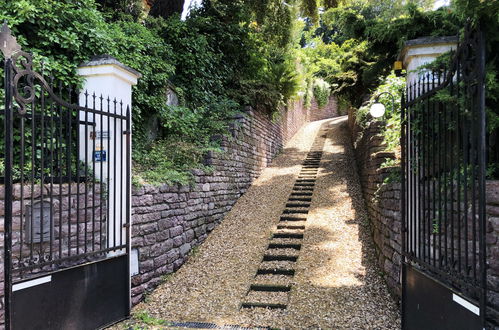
444	167
66	207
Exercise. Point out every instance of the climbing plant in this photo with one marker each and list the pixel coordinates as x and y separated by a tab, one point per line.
391	119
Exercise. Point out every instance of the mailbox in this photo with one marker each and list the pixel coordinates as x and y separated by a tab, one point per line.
34	220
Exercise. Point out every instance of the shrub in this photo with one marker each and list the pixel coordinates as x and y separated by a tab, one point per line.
322	91
391	130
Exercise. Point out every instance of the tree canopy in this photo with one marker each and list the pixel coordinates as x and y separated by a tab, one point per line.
231	53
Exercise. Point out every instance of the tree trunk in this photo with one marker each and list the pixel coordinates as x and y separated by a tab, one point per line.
166	8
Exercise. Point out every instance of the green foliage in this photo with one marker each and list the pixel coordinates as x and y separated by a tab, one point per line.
390	162
322	91
37	26
358	41
391	119
309	9
344	105
149	320
308	94
167	161
121	9
491	173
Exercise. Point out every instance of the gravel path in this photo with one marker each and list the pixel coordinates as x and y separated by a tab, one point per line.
337	284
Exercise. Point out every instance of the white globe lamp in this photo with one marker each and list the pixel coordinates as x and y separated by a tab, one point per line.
377	110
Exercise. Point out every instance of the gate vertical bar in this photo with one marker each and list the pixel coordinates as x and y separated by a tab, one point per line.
482	165
8	192
128	197
403	205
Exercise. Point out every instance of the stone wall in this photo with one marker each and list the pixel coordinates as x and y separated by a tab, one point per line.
329	111
71	229
383	202
168	221
493	249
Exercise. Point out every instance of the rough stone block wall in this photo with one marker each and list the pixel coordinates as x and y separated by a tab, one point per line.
493	248
329	111
168	221
67	234
383	202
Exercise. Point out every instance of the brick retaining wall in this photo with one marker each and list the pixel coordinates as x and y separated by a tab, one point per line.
382	201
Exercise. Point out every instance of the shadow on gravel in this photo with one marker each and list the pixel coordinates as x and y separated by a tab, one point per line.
361	299
210	286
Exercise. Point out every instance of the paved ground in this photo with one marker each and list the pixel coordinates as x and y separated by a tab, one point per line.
337	284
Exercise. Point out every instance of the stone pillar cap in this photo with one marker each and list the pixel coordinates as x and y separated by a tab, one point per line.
106	64
106	59
426	42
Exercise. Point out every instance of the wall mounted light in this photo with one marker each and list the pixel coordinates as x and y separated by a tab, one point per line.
377	108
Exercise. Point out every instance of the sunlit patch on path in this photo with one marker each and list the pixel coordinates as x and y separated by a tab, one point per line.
332	283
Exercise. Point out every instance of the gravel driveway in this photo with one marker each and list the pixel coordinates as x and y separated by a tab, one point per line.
337	283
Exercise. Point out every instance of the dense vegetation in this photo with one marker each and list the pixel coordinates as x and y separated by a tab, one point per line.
227	54
356	44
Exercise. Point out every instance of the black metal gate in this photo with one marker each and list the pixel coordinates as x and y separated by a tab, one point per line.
66	165
444	168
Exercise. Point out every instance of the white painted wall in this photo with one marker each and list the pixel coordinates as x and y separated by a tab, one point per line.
108	78
417	54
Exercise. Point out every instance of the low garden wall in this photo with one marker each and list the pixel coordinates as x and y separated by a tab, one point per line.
170	220
383	202
69	231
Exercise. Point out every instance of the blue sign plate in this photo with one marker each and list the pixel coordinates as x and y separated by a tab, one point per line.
100	156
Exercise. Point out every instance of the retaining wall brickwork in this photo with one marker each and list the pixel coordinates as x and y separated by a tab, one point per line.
382	201
329	111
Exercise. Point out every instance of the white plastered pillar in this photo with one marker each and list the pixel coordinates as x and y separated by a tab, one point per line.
103	138
422	51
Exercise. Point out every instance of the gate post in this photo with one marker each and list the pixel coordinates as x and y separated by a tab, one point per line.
105	141
419	52
106	76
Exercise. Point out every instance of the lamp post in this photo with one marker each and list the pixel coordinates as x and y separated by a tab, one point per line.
378	109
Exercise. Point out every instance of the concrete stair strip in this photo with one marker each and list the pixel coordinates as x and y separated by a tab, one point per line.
272	283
